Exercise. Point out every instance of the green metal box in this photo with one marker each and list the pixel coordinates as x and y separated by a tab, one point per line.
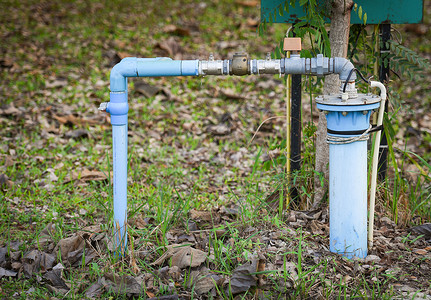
378	11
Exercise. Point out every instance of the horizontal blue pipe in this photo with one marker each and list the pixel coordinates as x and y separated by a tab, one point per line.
149	67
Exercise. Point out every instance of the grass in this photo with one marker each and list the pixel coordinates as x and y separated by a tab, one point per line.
172	168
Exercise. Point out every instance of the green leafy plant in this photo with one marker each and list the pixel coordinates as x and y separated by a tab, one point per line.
405	60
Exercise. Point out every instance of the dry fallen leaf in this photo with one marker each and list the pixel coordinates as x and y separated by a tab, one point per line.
5	182
242	278
72	120
56	280
86	175
182	256
188	257
171	28
3	252
9	110
69	245
420	251
205	283
201	215
7	273
317	227
96	289
124	284
424	229
37	261
172	47
168	297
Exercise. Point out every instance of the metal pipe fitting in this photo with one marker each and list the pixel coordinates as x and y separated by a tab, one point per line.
213	67
343	66
272	66
239	65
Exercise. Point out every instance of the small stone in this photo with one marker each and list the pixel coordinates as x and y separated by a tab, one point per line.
372	258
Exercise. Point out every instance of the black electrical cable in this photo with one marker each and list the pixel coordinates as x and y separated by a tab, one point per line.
350	74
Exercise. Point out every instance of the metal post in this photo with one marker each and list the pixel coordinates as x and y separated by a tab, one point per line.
385	32
295	130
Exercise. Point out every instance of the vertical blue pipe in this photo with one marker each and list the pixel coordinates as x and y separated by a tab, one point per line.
348	179
119	140
348	199
118	108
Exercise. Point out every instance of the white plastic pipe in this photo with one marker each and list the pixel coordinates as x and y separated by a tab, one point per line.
375	160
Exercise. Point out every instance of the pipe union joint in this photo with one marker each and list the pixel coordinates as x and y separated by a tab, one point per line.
118	108
320	65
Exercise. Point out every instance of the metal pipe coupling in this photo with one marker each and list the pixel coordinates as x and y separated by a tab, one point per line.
240	64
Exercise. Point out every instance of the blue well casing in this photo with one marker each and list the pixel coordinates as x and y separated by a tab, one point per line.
348	180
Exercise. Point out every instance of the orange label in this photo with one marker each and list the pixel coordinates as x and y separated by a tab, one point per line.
292	44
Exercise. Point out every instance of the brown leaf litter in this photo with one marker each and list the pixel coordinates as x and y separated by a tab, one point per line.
86	175
183	256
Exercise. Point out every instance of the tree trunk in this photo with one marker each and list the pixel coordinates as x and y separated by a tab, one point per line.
339	38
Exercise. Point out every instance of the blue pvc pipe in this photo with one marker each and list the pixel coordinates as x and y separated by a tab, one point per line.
348	181
119	139
149	67
118	108
348	199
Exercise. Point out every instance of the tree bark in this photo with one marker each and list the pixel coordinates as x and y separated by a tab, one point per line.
339	39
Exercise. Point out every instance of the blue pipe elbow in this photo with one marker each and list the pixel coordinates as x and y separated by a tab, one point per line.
119	73
149	67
